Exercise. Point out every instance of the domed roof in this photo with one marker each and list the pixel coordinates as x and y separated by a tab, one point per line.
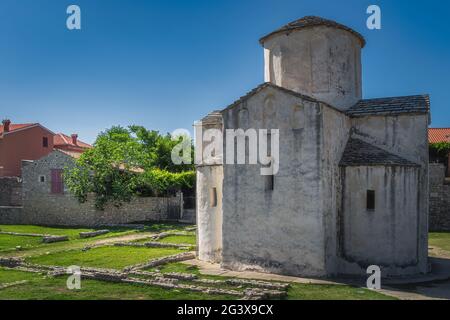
312	21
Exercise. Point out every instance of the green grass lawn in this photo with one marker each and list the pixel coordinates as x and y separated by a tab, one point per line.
104	257
8	276
440	240
299	291
177	267
9	243
34	245
69	253
162	227
188	239
40	287
44	288
72	233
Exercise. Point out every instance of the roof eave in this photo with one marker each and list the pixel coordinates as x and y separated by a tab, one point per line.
369	164
383	114
288	30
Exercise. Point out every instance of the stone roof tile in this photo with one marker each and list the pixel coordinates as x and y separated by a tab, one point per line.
312	21
274	86
391	106
360	153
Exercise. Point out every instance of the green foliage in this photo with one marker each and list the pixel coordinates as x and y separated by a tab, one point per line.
159	149
128	162
439	149
158	182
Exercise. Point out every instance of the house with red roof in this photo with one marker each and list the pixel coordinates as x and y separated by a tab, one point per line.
32	141
436	135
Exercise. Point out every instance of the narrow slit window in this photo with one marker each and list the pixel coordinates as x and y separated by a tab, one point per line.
370	201
270	182
213	197
45	142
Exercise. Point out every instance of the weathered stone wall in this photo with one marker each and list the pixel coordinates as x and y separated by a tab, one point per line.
41	207
321	62
209	216
386	236
439	199
10	191
279	230
11	215
406	136
336	129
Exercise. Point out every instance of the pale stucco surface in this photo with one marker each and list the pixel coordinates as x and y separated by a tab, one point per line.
315	221
322	62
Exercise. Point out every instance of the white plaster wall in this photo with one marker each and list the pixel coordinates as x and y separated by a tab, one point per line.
281	230
322	62
209	176
407	136
209	219
336	129
388	235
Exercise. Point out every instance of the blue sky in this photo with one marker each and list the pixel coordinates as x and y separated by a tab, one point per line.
165	64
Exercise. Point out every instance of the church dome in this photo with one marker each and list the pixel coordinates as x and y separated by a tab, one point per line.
316	57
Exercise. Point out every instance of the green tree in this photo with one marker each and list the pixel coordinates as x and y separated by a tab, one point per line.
159	148
125	162
439	149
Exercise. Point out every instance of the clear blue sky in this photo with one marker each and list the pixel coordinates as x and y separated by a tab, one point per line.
166	63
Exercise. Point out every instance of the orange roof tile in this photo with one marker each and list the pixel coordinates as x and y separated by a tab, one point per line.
73	154
438	135
61	139
17	126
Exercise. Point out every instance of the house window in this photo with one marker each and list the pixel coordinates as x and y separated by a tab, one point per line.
213	197
41	179
45	142
57	184
370	200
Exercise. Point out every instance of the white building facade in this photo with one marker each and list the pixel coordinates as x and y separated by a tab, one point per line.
352	185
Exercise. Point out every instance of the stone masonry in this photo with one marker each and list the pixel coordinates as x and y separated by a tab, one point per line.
439	198
350	188
10	192
42	207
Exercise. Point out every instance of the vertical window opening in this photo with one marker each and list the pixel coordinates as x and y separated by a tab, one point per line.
57	184
270	182
213	197
370	200
45	142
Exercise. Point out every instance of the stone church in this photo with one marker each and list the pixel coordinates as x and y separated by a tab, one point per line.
352	185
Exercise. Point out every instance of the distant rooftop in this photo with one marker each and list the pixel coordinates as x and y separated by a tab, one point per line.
393	105
438	135
312	21
17	126
61	139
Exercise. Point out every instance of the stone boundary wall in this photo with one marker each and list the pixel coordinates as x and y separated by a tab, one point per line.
65	210
439	217
42	207
10	191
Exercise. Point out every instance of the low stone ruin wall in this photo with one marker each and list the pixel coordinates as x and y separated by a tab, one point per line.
10	192
439	218
65	210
